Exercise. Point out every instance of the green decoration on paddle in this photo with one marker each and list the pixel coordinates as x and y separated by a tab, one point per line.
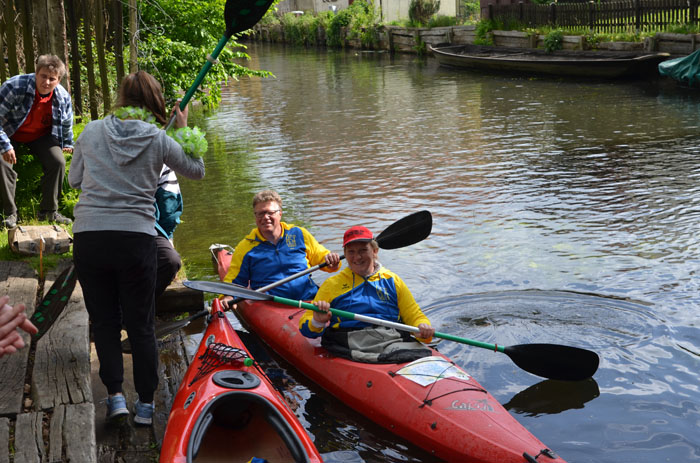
53	303
239	16
404	232
551	361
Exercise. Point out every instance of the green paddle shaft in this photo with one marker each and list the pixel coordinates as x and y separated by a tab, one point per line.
387	323
211	59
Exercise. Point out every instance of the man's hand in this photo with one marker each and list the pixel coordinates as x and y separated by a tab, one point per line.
332	260
322	317
9	156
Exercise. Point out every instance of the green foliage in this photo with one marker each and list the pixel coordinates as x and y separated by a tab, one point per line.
420	11
470	9
483	30
176	37
442	21
554	41
300	30
359	19
364	24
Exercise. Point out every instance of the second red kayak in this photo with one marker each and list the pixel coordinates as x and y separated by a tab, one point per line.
227	410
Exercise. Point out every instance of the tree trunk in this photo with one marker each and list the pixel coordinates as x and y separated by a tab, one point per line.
57	34
11	37
100	45
71	7
133	36
118	21
89	62
3	71
40	16
28	37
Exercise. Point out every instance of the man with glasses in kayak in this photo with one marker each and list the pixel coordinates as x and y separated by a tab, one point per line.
367	288
275	250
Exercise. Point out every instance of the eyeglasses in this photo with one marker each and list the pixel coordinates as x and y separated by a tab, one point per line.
261	214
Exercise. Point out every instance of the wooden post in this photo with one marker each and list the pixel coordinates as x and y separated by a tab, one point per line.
553	14
117	13
40	17
89	61
75	57
591	15
26	14
3	71
693	6
637	16
133	36
102	63
58	45
11	38
521	11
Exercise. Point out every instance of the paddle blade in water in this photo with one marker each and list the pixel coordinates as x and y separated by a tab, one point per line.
554	361
406	231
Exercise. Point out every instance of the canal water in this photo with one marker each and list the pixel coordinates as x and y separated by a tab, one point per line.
564	212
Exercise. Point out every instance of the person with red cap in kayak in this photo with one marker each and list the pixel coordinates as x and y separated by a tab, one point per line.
366	287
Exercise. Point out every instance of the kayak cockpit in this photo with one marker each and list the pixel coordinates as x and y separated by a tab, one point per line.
239	425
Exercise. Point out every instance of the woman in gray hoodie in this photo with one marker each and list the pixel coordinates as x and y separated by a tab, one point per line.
117	163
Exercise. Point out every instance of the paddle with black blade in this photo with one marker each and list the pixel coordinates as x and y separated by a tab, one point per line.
239	15
404	232
551	361
53	303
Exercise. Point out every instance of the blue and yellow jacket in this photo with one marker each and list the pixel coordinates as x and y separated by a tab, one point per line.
258	262
383	295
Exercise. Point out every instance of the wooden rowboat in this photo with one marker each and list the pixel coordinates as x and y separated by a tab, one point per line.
565	63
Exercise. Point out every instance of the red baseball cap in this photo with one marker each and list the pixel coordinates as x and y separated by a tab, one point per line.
357	233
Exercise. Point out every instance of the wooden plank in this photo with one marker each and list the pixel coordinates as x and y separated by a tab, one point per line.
61	373
79	432
4	440
18	280
29	440
56	434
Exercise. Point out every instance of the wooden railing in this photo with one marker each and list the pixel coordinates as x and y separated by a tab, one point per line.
602	16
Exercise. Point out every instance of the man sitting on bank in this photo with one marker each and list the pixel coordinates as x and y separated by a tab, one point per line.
275	250
35	110
366	287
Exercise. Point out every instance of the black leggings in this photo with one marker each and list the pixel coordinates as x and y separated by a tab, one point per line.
117	272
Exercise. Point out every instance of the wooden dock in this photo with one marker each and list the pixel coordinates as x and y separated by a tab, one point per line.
52	402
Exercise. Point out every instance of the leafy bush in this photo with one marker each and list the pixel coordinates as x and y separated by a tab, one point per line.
442	21
420	11
554	41
483	32
470	9
175	38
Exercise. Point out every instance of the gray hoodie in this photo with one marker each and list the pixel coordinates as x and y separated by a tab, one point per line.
117	164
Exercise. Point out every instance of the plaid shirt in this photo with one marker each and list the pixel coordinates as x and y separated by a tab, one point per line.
16	100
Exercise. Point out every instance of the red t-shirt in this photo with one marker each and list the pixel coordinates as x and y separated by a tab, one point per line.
38	121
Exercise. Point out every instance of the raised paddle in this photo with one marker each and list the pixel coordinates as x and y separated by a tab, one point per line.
239	16
551	361
406	231
54	302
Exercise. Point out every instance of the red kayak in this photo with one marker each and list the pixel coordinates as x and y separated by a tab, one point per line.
430	402
226	409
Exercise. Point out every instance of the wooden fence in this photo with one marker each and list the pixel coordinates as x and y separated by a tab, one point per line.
602	16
